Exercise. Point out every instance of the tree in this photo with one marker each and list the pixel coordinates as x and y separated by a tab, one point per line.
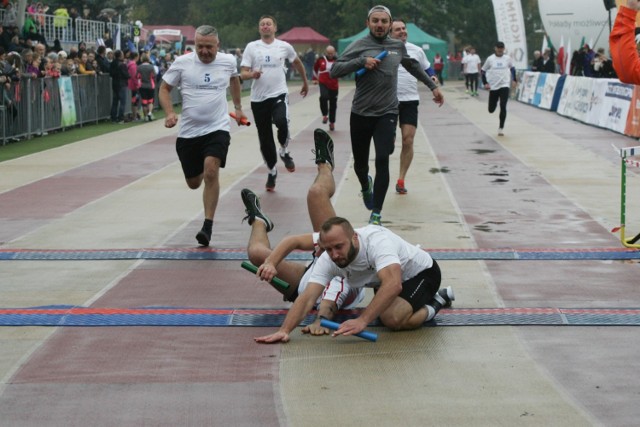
461	22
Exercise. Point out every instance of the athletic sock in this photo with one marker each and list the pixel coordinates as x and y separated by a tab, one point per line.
208	225
435	304
431	313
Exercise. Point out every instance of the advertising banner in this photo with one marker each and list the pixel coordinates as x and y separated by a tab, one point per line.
633	118
616	105
510	29
549	89
576	22
67	103
529	80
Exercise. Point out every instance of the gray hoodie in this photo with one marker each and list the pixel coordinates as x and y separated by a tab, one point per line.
376	90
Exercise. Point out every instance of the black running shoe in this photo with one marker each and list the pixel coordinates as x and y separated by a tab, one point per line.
203	237
252	208
324	147
445	296
375	218
288	162
271	182
367	195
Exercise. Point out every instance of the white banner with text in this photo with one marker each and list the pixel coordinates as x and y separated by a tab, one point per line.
510	29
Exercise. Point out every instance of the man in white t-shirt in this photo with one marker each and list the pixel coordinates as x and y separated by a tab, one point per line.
264	61
405	278
203	138
338	294
408	99
471	68
498	75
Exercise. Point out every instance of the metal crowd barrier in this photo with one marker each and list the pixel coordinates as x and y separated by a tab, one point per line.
36	107
454	70
61	28
89	31
57	27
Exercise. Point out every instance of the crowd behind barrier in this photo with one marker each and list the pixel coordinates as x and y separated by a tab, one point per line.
606	103
53	74
50	104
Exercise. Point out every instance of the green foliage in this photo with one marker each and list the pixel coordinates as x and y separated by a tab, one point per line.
460	22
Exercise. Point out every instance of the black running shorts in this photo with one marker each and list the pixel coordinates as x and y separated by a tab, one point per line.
147	96
408	113
192	151
419	290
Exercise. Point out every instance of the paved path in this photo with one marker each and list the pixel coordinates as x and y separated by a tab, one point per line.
549	183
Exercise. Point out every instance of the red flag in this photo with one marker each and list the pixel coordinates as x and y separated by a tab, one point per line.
560	59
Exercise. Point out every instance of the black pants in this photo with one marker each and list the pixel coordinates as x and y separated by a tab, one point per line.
118	102
268	112
383	131
472	81
502	95
328	102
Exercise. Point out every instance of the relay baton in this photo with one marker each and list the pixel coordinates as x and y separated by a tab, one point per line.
277	282
370	336
243	121
363	70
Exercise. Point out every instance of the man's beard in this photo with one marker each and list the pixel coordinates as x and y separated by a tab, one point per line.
379	38
351	255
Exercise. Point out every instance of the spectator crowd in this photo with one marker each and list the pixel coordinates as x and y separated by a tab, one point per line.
583	62
25	52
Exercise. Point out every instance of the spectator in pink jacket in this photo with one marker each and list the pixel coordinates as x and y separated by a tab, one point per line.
134	84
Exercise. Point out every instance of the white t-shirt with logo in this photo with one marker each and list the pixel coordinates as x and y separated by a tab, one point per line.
407	84
270	59
497	70
379	248
204	92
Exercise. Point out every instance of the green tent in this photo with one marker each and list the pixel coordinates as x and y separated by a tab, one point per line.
430	44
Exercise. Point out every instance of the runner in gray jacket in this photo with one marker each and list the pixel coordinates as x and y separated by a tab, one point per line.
374	111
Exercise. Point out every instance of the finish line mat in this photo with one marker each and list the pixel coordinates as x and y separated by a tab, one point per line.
170	316
241	254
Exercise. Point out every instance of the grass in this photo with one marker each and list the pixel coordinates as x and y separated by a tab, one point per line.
59	138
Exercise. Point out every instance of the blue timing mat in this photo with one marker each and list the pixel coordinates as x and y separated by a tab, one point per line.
167	316
240	254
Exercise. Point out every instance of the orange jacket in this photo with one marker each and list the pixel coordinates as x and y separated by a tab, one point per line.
622	43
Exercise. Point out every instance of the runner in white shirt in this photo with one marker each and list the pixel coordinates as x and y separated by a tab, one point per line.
337	294
471	68
203	138
406	279
264	62
408	100
498	75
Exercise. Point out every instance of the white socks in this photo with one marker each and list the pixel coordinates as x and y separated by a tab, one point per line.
431	312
